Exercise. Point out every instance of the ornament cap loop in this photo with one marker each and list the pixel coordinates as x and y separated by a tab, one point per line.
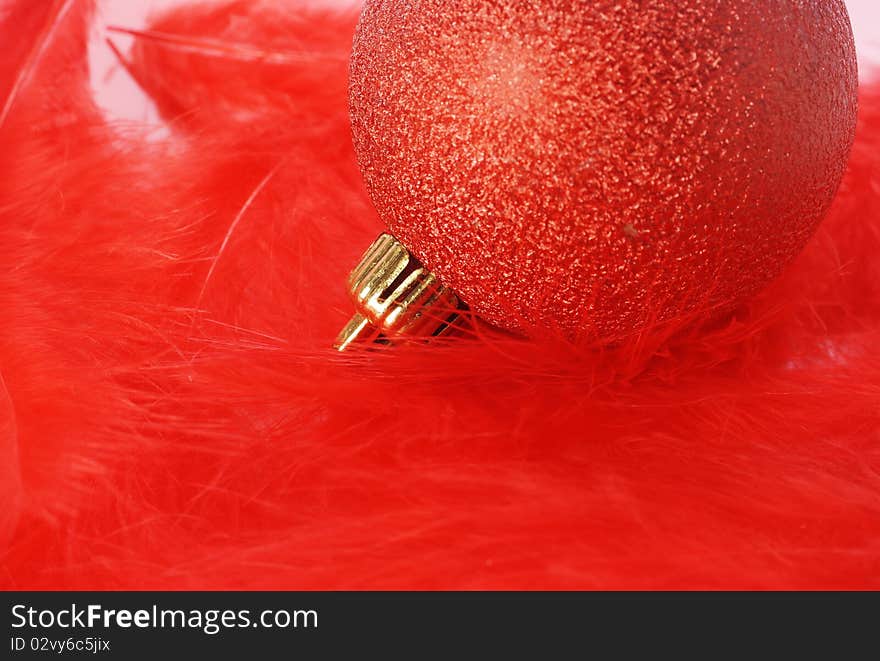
396	297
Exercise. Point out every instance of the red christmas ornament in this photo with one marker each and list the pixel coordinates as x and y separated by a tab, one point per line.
591	167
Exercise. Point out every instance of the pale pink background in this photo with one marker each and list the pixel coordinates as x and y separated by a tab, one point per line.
121	98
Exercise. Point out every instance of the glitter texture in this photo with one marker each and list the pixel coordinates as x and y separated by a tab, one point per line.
594	166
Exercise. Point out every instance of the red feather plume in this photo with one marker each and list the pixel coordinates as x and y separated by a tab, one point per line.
172	414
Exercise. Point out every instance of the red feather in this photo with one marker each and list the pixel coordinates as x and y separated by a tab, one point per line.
173	415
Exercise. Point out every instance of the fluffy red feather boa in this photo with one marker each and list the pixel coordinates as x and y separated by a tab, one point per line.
171	414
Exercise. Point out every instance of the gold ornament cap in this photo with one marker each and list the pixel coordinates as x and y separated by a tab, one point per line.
396	297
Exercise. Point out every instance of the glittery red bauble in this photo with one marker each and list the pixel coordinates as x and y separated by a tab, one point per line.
592	166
